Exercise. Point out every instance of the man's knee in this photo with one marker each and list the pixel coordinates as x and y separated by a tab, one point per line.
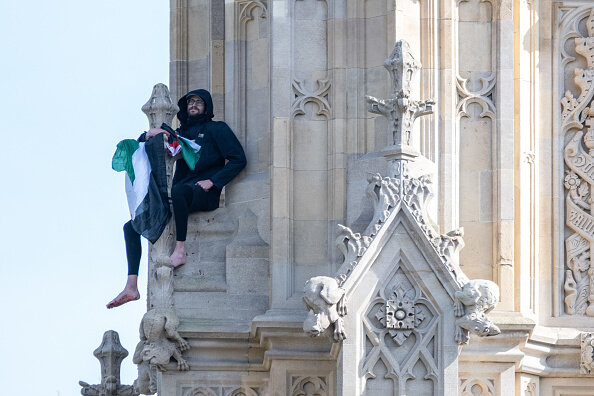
179	192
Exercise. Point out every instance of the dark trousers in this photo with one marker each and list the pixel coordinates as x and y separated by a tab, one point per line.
187	198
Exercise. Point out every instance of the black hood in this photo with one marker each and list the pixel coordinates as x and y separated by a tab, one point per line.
182	115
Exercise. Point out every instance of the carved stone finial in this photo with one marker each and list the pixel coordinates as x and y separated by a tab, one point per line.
110	355
160	108
400	109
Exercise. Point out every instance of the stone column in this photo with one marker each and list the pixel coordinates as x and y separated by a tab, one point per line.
505	161
197	49
526	124
160	109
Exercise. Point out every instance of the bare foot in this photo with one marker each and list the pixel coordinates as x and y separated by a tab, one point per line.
125	296
178	258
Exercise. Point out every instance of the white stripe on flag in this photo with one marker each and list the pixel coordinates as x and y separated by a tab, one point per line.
195	146
142	172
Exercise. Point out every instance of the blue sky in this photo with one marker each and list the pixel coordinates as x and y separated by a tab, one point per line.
74	76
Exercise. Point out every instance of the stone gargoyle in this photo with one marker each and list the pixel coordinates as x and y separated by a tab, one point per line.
324	300
476	298
159	342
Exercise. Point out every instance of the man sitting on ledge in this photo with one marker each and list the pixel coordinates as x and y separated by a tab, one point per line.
221	159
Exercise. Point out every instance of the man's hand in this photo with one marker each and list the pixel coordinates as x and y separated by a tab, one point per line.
154	132
205	184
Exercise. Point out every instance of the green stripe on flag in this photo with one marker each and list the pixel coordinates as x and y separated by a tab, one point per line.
190	152
122	158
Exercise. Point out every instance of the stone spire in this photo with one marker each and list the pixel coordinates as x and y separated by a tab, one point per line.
110	355
160	109
400	109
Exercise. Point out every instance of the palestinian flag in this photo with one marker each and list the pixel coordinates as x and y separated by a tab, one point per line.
190	150
146	184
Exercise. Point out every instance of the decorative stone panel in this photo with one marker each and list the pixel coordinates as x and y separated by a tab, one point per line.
309	386
577	127
587	355
477	387
219	390
401	332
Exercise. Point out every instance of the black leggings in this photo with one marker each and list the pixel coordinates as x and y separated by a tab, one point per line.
187	198
133	248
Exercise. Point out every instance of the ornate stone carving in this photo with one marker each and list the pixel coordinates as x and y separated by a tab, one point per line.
479	87
482	96
530	389
399	314
400	110
477	298
324	300
309	386
241	391
110	355
449	245
576	277
303	95
247	10
578	122
159	339
218	390
384	193
477	387
201	391
587	355
352	245
417	193
396	346
159	342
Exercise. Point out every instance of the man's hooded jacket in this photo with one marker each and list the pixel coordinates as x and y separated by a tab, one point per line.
221	154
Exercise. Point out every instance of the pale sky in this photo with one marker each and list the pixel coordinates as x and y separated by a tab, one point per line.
74	74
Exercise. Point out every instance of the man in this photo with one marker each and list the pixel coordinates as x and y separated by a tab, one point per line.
221	159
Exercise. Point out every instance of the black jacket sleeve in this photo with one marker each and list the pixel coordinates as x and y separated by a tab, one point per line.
230	149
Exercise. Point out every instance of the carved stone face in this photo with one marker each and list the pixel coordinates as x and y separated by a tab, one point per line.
479	327
320	296
158	353
316	323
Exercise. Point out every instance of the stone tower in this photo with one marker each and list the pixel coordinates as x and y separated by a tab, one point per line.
487	108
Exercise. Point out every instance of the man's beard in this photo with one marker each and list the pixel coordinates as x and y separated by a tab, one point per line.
198	119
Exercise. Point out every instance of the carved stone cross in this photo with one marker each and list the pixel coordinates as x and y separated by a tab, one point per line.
110	355
400	110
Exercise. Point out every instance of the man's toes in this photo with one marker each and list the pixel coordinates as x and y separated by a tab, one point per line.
122	298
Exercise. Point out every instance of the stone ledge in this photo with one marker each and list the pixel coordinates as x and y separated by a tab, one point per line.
214	328
512	321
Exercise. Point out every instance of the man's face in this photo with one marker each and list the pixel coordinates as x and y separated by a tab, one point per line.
196	105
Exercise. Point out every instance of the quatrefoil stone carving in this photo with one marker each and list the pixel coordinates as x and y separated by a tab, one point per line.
400	314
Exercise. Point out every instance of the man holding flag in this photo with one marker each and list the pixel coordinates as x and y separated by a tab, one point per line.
212	157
